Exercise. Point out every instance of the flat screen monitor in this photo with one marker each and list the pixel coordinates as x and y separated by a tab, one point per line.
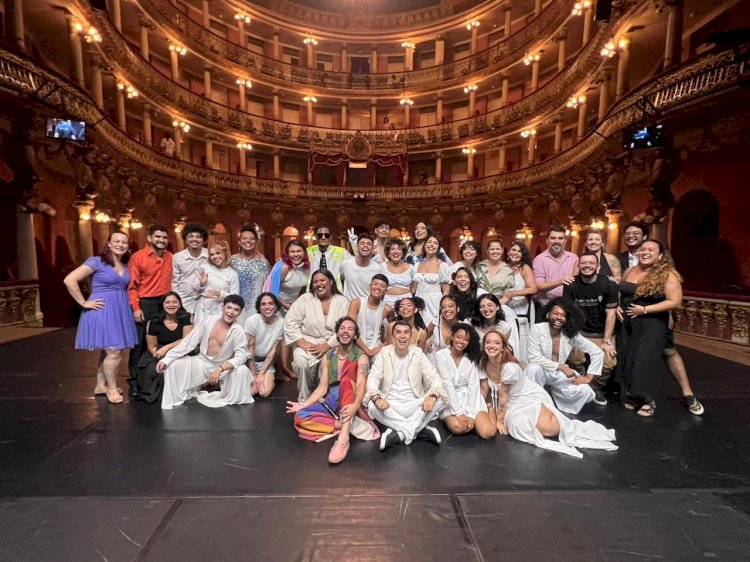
66	129
650	136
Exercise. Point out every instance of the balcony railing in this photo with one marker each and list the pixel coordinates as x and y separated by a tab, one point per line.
707	75
265	69
167	94
717	317
18	303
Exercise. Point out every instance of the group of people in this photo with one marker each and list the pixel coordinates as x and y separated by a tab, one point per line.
395	333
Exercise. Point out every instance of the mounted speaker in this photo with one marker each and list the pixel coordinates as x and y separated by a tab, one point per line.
603	10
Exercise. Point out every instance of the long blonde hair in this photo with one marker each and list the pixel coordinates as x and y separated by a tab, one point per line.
657	275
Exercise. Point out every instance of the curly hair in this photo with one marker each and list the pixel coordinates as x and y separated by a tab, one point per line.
525	254
465	301
574	317
394	242
506	357
288	261
341	321
477	319
196	227
657	275
419	306
473	351
477	248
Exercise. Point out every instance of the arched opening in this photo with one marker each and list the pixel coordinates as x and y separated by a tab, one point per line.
219	234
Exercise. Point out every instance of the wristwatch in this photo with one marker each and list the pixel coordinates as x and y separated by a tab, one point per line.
608	342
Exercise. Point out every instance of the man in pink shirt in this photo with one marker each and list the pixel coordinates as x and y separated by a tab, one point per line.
553	268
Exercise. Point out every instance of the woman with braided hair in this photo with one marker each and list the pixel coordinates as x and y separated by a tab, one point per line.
648	292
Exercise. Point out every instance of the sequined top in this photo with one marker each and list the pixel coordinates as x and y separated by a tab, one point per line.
252	273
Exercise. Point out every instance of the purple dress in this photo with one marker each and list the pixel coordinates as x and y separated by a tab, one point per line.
112	326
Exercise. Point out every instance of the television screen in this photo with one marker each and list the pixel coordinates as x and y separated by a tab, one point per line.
66	129
650	136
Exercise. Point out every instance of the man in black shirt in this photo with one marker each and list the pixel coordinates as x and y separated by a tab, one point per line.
597	297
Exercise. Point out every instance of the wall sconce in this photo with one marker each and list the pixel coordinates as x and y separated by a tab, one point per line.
244	82
130	92
243	145
528	59
101	217
310	41
408	44
310	99
466	235
530	132
608	50
182	125
597	224
579	7
472	25
575	101
470	88
135	224
404	235
242	16
179	49
406	101
469	150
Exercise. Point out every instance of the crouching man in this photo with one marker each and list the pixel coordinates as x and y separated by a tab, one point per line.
404	391
222	357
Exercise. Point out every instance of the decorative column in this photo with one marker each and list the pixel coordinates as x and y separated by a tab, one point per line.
174	64
409	59
406	172
502	157
243	161
276	164
535	73
373	114
242	95
407	122
207	89
575	237
147	137
562	45
209	152
276	107
310	114
472	102
18	25
604	94
242	38
504	89
26	252
474	36
97	88
374	60
532	148
121	117
177	138
613	231
77	50
470	164
558	121
439	109
344	59
145	26
582	110
276	45
206	14
623	64
588	20
537	7
344	116
675	21
310	53
439	167
85	236
439	50
116	11
507	18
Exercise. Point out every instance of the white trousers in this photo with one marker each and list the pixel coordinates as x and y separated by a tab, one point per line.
184	377
405	416
569	397
305	366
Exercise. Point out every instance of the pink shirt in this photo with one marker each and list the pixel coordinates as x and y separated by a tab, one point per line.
548	268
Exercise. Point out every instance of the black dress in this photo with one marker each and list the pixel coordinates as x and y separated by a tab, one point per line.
641	366
150	382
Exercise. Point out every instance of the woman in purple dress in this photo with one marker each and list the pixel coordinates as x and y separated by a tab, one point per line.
106	322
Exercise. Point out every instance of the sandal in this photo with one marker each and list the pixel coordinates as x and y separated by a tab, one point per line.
647	410
693	406
113	396
99	392
628	403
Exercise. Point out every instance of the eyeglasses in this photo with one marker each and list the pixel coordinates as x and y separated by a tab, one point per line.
322	235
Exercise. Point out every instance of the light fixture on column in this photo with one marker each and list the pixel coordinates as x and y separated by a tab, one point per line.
135	224
608	50
242	16
129	91
596	224
575	101
623	43
309	235
310	99
470	88
528	132
579	7
310	41
244	82
179	49
406	101
244	145
407	44
102	217
466	235
469	150
182	125
529	58
92	35
404	235
472	25
524	234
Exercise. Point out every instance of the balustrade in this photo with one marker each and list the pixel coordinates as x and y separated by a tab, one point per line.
717	317
18	303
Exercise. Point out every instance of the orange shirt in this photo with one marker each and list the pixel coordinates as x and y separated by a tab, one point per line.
150	276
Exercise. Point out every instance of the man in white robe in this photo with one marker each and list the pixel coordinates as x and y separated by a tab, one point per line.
550	344
313	332
371	313
404	391
222	358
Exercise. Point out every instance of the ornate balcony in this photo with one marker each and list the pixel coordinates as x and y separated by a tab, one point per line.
227	54
18	303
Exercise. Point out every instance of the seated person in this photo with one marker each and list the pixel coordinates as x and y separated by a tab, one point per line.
163	333
264	331
310	325
335	406
521	408
404	391
371	312
409	309
222	357
550	344
458	366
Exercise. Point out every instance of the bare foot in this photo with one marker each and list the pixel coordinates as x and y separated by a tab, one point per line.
289	373
114	396
102	390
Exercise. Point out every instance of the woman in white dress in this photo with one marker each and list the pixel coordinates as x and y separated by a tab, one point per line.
520	295
466	292
399	273
214	281
416	251
458	366
489	314
471	254
264	333
520	407
439	332
432	279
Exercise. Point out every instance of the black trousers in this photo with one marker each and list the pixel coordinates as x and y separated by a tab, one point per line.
150	309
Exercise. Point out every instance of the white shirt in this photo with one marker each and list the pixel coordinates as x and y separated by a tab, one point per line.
266	335
632	260
401	387
357	278
184	267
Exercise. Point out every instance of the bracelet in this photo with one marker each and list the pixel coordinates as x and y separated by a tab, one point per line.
645	310
608	342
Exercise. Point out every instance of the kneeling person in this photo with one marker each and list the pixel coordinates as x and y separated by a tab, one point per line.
222	357
334	407
404	391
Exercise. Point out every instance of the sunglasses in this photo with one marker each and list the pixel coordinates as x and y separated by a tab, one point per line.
322	235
